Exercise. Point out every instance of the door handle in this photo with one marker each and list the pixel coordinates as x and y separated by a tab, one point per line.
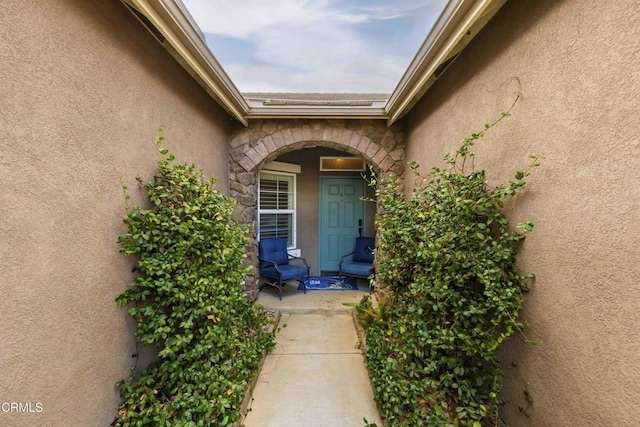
360	227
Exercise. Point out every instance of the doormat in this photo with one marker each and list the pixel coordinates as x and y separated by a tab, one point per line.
329	284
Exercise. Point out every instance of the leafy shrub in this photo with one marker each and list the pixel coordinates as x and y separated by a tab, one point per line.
188	302
447	256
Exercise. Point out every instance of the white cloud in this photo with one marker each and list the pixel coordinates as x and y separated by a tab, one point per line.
327	59
324	79
243	18
392	10
311	46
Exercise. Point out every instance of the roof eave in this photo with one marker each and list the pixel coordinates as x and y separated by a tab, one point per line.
327	112
183	40
458	24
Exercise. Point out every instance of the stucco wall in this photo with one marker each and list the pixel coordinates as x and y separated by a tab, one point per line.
577	63
83	90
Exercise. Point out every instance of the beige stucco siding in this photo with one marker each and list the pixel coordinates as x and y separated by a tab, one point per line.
83	90
578	67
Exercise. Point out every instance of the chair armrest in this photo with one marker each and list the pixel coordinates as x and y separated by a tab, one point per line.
344	256
270	262
293	258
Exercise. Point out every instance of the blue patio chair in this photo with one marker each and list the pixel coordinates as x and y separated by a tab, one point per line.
361	263
274	264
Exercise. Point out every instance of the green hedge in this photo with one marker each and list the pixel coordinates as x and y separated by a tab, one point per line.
447	257
187	300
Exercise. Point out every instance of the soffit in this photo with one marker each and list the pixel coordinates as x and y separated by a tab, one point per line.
174	28
317	105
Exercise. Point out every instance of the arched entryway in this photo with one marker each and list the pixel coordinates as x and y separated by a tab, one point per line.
380	146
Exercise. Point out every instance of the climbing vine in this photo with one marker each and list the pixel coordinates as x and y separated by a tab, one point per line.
187	301
447	258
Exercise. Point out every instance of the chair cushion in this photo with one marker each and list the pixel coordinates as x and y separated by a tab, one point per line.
288	272
274	250
363	269
363	251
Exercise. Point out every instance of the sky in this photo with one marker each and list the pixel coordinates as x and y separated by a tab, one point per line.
324	46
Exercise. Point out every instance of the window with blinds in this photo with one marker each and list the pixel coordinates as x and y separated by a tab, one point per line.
276	206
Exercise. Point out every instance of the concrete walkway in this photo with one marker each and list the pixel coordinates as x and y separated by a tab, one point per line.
315	376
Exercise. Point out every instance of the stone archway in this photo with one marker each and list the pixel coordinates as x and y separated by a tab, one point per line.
264	140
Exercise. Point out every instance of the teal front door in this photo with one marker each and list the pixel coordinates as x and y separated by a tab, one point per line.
341	219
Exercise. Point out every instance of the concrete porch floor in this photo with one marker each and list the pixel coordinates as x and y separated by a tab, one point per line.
315	376
295	301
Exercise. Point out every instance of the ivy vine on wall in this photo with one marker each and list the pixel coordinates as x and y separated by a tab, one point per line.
447	259
187	300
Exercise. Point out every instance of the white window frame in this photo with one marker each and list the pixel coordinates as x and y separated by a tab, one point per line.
294	194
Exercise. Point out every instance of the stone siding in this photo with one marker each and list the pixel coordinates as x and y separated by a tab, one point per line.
263	141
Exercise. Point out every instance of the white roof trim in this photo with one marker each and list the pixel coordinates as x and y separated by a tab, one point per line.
457	25
184	41
327	112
